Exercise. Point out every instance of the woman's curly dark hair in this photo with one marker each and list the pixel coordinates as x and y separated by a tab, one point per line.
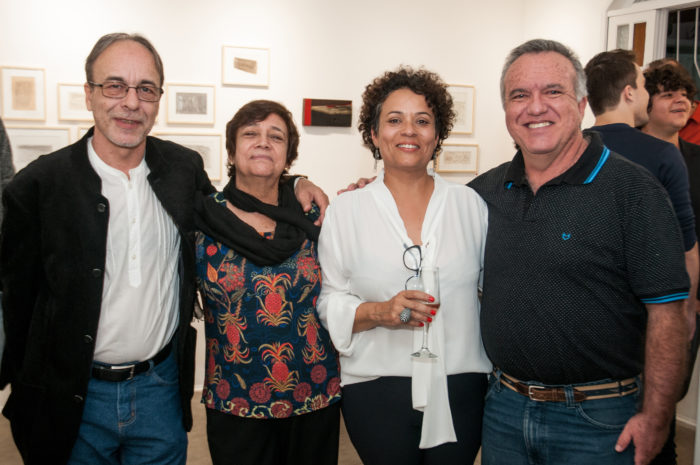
421	82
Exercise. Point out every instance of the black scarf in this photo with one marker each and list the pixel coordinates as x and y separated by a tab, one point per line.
293	227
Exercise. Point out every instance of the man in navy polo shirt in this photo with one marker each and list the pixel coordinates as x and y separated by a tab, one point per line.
584	283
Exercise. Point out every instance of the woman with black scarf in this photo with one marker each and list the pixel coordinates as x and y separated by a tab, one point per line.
272	381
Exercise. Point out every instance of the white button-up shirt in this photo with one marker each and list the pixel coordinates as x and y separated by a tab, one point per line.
140	298
361	254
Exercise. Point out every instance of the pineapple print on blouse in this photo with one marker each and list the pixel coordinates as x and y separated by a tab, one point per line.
267	355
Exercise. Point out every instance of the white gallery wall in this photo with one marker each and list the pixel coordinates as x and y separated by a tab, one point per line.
318	48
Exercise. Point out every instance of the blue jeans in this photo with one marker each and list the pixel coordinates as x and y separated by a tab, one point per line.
520	431
132	422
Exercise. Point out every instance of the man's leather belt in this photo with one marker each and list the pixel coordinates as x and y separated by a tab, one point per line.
118	373
558	394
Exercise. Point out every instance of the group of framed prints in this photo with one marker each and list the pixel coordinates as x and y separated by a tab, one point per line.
23	95
24	99
460	157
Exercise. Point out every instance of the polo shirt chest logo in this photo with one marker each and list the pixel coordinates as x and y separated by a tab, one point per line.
565	236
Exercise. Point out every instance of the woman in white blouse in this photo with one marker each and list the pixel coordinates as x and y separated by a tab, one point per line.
400	409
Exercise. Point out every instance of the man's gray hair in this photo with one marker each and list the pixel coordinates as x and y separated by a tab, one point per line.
106	40
541	46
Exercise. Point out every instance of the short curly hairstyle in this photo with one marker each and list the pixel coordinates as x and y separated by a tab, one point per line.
668	77
256	111
421	82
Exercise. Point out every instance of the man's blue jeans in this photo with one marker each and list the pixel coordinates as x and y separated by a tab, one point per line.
520	431
132	422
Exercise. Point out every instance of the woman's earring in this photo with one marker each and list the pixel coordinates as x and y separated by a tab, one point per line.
377	156
434	158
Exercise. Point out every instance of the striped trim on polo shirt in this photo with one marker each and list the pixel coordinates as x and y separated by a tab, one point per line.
601	161
584	170
666	298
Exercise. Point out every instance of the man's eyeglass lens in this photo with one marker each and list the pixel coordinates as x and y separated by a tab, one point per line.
116	89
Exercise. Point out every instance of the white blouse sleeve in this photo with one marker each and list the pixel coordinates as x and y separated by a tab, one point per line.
336	305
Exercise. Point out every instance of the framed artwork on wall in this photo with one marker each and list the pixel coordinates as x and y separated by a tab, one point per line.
320	112
29	142
458	158
207	145
190	103
71	103
463	99
23	94
244	66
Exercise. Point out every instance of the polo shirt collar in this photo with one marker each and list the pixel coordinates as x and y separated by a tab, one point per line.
584	170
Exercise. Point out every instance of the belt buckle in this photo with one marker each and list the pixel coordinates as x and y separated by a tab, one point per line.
131	369
530	389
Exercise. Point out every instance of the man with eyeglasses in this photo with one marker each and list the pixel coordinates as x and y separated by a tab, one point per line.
97	269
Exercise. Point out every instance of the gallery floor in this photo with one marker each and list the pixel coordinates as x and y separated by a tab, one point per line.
198	454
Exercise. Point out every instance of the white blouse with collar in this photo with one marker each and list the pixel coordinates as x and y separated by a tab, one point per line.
361	254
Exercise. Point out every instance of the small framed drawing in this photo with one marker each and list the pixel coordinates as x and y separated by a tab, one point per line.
28	143
463	99
458	158
23	94
243	66
207	145
71	103
190	104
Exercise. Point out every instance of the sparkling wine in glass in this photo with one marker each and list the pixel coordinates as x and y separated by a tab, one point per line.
430	278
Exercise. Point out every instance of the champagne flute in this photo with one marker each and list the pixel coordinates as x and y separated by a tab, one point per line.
430	278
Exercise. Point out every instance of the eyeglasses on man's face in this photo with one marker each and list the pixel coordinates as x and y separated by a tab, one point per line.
119	89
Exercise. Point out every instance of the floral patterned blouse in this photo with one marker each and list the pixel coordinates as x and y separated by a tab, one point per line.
267	354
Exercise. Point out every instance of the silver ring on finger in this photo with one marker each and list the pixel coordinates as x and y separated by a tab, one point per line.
405	315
